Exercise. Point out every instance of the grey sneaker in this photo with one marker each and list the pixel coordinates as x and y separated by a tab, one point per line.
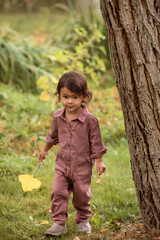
84	227
56	230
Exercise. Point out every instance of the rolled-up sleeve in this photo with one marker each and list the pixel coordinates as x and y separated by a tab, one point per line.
52	135
97	147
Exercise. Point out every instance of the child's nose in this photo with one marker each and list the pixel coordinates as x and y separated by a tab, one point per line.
70	100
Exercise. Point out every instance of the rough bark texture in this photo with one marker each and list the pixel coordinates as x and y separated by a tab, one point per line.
133	29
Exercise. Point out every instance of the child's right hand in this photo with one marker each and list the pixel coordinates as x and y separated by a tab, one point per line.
42	156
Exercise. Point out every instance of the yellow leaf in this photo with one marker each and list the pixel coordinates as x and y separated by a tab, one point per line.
79	64
29	182
44	96
44	222
42	82
54	79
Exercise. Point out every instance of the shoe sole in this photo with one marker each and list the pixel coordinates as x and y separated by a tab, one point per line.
56	234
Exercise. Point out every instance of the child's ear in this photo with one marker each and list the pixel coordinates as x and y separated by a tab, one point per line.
83	101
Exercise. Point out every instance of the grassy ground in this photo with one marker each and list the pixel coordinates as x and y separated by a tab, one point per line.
23	124
51	22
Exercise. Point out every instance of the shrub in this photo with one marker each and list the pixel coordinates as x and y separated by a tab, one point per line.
20	63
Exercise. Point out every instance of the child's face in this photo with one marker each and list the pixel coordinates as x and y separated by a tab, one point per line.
70	100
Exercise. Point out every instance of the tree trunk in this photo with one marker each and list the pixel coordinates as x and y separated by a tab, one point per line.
133	29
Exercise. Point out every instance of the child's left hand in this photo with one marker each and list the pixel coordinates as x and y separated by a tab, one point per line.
100	166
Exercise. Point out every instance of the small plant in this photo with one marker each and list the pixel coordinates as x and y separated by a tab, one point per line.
20	63
23	125
84	58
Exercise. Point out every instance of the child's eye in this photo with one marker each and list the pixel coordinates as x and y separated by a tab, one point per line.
65	97
75	97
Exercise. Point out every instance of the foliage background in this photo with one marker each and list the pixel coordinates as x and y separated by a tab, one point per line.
35	50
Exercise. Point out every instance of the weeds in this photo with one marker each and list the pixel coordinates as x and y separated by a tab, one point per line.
25	120
80	46
20	63
113	199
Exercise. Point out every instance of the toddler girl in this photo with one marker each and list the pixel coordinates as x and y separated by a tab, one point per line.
78	133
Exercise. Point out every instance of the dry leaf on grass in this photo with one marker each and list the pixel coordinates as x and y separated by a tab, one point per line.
29	182
44	222
98	180
76	238
47	211
103	230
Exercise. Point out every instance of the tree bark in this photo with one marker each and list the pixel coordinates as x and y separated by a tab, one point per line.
133	29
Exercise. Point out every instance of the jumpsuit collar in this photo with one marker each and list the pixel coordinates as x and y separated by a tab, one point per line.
81	116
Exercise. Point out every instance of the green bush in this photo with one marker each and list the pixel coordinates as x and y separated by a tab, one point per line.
81	45
20	62
24	122
84	43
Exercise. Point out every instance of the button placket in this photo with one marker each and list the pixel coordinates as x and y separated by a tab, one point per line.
69	145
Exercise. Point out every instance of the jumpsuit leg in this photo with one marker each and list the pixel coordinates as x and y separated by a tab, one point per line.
81	198
60	197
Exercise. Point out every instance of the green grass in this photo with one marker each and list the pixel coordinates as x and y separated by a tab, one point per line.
22	131
19	22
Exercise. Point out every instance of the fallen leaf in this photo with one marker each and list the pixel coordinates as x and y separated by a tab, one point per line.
109	123
76	238
44	222
29	182
103	230
33	139
48	211
98	180
40	144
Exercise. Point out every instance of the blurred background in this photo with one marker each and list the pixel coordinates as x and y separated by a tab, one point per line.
50	37
39	41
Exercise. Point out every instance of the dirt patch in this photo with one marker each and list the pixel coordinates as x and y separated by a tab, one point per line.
134	232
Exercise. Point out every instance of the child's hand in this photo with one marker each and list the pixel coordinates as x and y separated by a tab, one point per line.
42	156
100	167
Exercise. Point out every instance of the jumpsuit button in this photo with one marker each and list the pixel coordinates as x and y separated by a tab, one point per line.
68	145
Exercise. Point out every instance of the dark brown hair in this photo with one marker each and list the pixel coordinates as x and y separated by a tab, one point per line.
76	83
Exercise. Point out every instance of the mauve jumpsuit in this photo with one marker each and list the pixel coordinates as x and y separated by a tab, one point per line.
80	144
